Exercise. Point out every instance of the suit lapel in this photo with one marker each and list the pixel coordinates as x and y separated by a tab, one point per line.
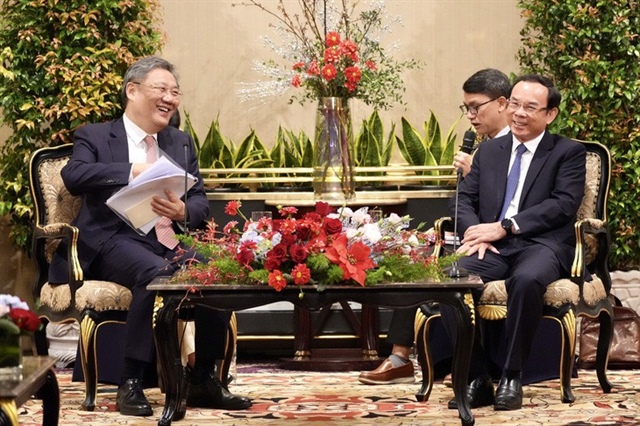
537	162
118	138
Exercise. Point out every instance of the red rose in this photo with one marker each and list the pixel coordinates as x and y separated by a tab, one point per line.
332	226
24	319
279	251
298	253
245	257
323	208
272	263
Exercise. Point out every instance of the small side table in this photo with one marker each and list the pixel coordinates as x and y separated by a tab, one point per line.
39	379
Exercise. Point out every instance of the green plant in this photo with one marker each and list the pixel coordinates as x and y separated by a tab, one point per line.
62	66
592	49
219	152
429	150
371	147
291	150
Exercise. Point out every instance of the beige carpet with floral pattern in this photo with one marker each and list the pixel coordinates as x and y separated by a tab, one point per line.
301	398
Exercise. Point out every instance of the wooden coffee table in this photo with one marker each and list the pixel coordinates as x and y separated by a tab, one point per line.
172	299
39	379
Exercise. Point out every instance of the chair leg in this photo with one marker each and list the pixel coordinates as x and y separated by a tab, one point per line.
232	340
421	326
602	353
88	361
568	326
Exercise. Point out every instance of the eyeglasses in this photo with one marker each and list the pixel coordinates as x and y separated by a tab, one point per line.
527	108
161	91
473	109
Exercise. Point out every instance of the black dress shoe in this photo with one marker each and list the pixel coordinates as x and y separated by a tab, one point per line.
479	393
509	394
131	401
211	393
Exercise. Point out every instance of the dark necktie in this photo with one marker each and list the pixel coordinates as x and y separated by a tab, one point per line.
164	227
512	180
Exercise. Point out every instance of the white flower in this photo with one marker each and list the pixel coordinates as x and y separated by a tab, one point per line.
371	232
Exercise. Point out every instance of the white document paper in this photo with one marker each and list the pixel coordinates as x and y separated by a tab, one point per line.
133	202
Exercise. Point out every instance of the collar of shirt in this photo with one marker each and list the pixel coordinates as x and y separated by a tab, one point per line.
135	141
502	132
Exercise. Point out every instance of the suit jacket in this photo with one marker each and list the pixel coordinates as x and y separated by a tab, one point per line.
552	193
99	167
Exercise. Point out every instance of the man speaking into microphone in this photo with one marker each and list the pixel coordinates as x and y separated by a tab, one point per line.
485	96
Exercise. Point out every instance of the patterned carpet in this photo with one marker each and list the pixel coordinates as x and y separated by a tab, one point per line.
300	398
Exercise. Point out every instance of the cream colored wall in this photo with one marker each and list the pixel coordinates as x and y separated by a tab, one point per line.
214	43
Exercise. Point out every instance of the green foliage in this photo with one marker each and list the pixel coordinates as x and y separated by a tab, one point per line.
429	150
592	51
62	66
371	147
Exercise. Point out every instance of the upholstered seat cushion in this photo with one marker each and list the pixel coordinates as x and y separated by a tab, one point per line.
558	292
94	294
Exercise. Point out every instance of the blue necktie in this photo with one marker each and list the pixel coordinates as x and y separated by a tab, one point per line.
512	179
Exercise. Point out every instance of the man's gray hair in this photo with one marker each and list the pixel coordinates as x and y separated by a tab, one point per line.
139	70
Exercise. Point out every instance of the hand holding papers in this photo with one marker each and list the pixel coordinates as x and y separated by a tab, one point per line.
133	202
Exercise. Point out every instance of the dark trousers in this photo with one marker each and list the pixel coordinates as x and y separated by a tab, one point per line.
134	261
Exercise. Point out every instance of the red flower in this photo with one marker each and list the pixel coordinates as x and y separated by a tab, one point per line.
349	48
24	319
333	39
371	65
353	260
276	280
301	274
245	256
232	207
296	81
332	226
298	66
279	251
351	86
298	253
353	74
332	55
287	211
323	208
313	68
329	72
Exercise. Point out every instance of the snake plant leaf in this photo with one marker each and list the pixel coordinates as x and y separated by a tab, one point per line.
433	142
411	145
188	129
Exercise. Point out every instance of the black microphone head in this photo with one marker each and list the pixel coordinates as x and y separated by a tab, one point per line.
468	141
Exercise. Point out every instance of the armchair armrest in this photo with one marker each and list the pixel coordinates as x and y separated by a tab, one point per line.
440	226
63	230
593	242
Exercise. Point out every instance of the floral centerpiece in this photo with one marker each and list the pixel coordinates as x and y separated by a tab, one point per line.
16	319
323	247
332	48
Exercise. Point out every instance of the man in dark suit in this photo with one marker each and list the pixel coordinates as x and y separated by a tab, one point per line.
525	236
106	157
485	95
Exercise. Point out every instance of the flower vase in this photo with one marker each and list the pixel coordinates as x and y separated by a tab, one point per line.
10	358
333	165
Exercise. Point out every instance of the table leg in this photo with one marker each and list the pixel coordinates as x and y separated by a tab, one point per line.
303	336
50	396
168	349
369	331
465	325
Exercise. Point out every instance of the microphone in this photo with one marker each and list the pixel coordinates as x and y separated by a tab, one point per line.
454	271
186	181
468	141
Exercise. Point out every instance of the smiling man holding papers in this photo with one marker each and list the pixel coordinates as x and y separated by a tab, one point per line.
138	163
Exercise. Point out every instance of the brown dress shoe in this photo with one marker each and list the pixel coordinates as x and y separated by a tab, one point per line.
387	374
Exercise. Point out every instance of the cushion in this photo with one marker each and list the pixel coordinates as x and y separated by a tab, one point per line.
493	301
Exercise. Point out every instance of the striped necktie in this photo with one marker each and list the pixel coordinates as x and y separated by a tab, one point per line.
164	226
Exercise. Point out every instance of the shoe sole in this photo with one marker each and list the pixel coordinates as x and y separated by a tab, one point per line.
387	382
136	413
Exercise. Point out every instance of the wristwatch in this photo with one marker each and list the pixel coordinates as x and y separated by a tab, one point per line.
506	225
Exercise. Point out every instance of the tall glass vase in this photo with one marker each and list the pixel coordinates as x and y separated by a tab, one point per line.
10	358
333	165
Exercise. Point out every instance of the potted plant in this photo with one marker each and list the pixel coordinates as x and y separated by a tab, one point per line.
373	149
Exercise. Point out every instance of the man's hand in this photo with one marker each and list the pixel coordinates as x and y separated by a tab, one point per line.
173	207
462	161
478	238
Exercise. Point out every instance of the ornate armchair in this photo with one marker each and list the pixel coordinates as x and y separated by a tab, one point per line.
91	303
586	292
